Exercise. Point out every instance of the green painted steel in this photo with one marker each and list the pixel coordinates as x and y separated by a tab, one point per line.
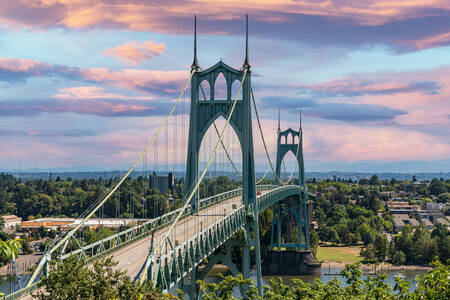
169	269
291	140
202	115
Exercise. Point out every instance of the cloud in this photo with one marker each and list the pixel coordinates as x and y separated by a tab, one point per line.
96	107
333	110
354	112
94	92
151	81
16	69
134	52
287	102
403	25
46	133
352	143
351	87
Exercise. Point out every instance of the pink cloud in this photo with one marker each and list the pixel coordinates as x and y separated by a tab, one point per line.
151	81
430	42
134	52
18	65
147	80
94	92
147	15
350	143
359	22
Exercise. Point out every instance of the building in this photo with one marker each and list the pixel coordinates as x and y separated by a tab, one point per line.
427	223
10	222
64	223
401	220
435	206
442	221
162	183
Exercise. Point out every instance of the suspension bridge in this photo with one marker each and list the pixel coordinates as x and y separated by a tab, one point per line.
179	247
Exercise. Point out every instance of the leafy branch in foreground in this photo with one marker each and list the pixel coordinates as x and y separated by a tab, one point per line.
73	279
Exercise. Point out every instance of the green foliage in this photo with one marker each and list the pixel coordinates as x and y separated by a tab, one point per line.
223	289
433	285
444	198
314	242
72	279
437	187
10	248
399	258
421	246
26	247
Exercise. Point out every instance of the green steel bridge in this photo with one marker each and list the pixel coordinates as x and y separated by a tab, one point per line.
169	249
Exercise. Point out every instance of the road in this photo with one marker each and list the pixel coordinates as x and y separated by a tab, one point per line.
132	257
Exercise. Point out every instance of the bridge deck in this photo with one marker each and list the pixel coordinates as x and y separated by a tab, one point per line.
132	257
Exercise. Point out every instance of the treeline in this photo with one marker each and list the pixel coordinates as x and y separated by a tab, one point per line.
343	221
70	198
419	246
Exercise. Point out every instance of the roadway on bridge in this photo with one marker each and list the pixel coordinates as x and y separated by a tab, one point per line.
132	257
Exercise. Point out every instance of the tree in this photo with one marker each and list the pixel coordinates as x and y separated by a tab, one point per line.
381	247
424	249
369	254
437	187
374	180
399	258
72	279
224	289
314	242
443	198
329	234
434	284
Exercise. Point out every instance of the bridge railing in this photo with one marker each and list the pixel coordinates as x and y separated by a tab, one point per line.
128	236
229	194
271	197
125	237
22	292
168	269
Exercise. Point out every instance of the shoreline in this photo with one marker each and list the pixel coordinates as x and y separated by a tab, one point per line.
377	268
222	269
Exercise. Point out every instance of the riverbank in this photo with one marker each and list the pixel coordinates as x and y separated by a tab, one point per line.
376	268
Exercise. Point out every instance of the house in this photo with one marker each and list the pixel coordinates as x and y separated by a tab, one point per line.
442	221
435	206
398	223
427	223
331	188
10	222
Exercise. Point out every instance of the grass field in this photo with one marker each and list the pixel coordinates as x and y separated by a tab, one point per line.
348	254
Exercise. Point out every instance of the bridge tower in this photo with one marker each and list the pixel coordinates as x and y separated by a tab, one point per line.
202	115
291	140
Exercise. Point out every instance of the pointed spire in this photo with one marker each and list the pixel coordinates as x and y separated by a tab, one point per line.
300	120
195	65
279	120
246	63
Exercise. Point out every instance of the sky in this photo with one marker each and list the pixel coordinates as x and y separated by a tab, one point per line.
87	83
